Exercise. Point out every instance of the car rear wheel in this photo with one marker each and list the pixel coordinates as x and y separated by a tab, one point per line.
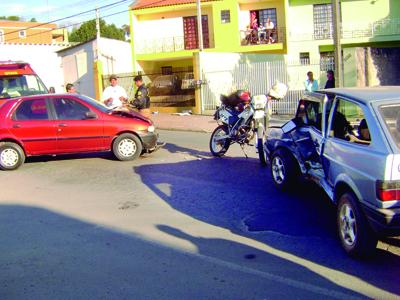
11	156
127	147
284	169
356	235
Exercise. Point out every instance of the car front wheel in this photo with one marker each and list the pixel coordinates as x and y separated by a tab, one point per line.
356	236
127	147
11	156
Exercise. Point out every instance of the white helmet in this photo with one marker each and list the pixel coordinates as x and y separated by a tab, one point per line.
278	90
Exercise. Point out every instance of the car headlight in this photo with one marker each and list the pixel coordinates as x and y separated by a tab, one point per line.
151	128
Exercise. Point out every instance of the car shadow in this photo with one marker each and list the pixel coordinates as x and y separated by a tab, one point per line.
46	255
238	194
61	157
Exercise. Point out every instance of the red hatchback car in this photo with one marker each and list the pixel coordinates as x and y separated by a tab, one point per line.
69	123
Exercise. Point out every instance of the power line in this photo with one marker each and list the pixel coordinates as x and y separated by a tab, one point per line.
65	18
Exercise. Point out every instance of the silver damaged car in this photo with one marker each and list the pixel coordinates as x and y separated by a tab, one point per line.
347	140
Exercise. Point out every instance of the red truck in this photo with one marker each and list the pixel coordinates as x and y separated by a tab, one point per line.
17	78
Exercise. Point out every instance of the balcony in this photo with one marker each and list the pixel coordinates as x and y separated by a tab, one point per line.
165	45
252	37
351	30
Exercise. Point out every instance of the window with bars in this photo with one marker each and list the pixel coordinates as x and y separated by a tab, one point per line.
322	21
327	61
225	16
304	58
264	14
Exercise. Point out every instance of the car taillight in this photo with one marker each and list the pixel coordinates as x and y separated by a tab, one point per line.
388	190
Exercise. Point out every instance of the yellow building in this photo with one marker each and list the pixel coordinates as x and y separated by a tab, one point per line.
164	39
31	33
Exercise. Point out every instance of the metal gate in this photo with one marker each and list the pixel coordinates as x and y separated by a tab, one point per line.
258	78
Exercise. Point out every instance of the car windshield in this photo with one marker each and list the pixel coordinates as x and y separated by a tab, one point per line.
21	85
100	106
391	116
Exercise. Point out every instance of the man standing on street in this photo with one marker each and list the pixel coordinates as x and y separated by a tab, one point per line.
142	99
114	95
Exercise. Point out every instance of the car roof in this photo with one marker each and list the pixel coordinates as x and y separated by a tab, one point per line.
367	94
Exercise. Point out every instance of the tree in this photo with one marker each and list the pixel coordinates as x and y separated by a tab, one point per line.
33	20
10	18
87	31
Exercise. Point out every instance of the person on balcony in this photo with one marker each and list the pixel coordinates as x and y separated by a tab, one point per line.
269	28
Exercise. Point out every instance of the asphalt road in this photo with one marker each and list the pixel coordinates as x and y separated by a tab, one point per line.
176	224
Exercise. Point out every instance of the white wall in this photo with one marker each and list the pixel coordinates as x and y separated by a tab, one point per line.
77	64
116	56
43	59
156	29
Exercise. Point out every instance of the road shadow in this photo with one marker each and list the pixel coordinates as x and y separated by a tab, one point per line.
46	255
238	194
61	157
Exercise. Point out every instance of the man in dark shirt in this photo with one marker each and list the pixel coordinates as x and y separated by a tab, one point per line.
330	83
142	99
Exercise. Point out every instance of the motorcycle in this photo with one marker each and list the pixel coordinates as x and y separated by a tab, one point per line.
241	118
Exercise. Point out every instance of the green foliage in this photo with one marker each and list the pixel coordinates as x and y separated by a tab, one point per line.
33	20
87	31
10	18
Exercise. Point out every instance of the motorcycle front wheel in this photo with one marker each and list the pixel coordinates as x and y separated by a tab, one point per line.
220	141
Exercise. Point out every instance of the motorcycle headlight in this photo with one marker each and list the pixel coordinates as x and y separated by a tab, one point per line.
151	128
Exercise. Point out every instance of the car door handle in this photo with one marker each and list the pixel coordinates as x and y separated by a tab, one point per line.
17	126
62	125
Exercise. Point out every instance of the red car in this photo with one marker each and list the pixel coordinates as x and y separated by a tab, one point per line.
69	123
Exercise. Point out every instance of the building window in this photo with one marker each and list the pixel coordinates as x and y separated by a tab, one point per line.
190	34
327	61
264	14
322	21
2	36
22	34
166	70
225	16
305	58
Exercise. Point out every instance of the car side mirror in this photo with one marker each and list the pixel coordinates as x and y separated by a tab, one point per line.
90	115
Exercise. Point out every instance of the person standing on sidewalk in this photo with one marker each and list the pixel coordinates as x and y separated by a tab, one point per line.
311	84
114	95
142	99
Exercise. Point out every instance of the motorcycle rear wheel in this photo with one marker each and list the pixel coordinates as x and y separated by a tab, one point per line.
218	147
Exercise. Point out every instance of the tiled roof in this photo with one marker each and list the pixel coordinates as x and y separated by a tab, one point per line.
142	4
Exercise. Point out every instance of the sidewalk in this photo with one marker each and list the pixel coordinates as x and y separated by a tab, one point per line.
199	123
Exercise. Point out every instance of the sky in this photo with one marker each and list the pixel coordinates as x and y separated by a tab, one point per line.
50	10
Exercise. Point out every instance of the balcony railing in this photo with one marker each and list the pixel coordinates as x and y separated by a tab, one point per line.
262	36
168	44
162	45
386	27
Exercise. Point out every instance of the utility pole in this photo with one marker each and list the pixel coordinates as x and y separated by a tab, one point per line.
336	13
199	26
97	34
199	58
